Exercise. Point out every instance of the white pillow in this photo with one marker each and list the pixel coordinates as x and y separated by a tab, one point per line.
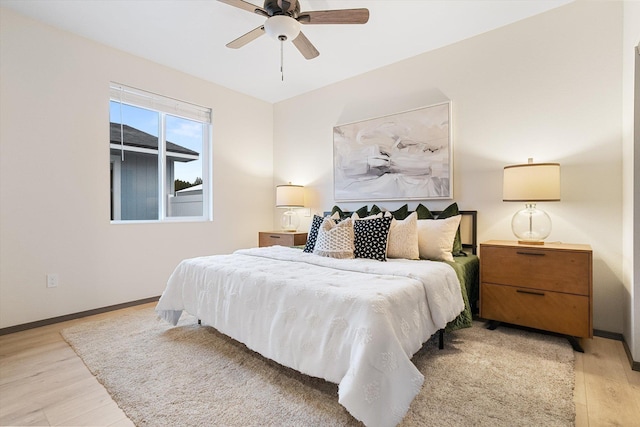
435	237
403	238
335	240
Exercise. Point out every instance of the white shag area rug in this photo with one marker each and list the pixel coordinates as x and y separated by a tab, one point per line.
191	375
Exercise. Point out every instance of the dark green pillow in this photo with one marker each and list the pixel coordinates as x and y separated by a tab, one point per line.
424	212
363	212
337	210
401	213
375	210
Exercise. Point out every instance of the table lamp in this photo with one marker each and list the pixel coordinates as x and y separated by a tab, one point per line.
530	183
290	196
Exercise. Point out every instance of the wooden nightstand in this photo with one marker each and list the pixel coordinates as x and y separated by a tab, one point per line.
282	238
545	287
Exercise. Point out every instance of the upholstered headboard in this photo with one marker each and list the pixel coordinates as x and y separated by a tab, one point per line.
468	229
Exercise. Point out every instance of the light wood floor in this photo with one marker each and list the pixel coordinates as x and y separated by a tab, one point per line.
43	382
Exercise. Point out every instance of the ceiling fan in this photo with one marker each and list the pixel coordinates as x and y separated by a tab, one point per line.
284	19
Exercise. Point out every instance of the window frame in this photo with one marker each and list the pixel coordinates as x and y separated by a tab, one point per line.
163	106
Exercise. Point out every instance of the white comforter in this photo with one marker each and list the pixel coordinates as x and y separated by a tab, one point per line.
354	322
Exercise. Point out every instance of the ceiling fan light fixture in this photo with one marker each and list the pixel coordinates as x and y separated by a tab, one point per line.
280	26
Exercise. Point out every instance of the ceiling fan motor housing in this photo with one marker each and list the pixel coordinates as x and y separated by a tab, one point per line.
282	7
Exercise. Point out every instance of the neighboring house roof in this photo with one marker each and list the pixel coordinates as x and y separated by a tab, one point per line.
195	189
192	188
136	138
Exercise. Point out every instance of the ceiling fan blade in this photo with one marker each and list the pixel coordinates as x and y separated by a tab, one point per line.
343	16
246	38
305	47
244	5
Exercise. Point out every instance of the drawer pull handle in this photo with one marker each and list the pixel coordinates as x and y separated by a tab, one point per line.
530	292
275	237
530	253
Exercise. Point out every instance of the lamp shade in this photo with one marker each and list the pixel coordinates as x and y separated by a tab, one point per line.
531	182
289	196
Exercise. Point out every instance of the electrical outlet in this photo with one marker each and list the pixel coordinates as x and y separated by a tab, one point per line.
52	280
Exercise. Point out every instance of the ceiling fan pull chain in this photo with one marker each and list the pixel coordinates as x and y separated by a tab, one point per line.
282	59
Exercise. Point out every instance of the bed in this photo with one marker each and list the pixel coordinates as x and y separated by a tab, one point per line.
354	322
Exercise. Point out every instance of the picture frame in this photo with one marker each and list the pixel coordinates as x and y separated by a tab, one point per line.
402	156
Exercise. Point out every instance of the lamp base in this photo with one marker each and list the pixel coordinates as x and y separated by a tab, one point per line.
531	225
290	221
530	242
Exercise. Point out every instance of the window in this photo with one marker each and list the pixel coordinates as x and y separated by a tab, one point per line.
159	157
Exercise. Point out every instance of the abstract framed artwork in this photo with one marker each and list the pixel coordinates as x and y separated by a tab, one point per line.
403	156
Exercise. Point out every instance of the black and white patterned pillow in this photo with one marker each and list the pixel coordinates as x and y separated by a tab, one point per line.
312	236
371	238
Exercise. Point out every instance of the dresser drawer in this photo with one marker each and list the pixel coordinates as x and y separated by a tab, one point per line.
545	269
281	238
551	311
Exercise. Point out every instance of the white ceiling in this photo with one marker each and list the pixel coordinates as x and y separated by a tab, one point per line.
190	36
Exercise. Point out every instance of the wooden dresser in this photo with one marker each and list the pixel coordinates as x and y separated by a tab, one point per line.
545	287
282	238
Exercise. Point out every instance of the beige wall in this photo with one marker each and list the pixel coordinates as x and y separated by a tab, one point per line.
54	176
548	87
